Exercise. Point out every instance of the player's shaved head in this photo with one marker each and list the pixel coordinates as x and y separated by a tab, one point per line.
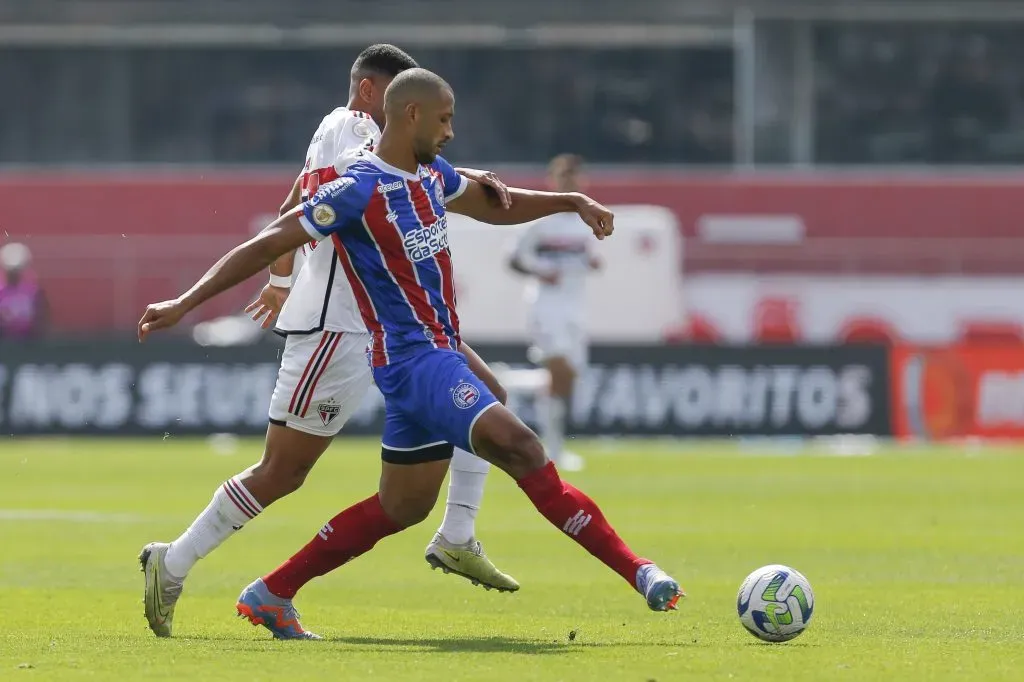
419	106
416	86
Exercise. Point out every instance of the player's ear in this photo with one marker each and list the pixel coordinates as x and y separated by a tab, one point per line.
412	111
365	90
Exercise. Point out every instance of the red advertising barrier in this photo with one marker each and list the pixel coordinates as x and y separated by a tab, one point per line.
958	391
106	243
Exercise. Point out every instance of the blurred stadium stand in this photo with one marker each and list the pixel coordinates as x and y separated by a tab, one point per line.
653	81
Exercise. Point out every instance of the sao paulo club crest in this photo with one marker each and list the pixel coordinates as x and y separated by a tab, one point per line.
328	411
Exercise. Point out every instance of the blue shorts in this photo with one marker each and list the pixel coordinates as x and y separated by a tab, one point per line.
431	402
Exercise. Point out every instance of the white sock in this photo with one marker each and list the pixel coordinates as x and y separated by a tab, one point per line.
465	491
554	427
231	507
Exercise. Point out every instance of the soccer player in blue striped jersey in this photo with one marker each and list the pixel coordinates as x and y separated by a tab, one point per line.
386	216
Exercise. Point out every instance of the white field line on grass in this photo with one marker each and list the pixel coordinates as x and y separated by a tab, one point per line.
70	515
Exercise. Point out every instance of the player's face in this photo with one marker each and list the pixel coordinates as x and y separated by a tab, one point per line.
376	99
564	178
434	128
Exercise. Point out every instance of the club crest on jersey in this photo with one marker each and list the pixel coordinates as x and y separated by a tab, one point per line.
465	395
439	192
328	411
362	129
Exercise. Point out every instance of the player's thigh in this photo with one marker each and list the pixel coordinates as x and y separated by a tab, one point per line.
480	368
322	381
414	460
502	439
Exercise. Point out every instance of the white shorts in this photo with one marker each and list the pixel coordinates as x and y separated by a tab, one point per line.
322	381
556	335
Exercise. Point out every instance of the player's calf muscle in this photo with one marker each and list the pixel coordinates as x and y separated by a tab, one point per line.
287	460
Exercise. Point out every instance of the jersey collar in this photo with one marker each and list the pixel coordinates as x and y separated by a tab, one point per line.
387	167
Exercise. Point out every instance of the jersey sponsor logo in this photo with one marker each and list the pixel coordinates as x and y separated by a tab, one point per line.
465	395
390	187
324	215
392	217
577	523
336	187
424	243
328	411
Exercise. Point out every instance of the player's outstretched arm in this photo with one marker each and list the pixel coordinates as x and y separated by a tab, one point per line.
242	262
528	205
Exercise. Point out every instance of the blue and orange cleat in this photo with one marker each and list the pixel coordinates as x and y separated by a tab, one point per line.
260	607
658	587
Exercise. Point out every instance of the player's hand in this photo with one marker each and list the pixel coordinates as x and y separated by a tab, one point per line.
489	179
267	305
600	220
161	316
551	278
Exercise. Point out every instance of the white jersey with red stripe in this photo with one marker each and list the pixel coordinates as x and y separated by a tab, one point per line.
321	298
561	246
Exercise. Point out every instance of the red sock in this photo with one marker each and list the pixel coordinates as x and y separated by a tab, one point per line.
579	517
351	533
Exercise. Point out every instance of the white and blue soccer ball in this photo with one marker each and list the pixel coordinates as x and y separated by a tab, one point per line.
775	603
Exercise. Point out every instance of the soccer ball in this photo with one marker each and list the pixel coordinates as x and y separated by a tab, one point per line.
775	603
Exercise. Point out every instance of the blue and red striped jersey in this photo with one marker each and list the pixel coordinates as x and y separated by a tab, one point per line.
391	234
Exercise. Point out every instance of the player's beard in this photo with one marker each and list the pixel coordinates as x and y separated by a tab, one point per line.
425	154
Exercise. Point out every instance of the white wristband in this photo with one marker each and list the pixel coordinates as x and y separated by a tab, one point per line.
280	281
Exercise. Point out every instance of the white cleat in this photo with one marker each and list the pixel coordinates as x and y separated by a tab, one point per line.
162	589
469	562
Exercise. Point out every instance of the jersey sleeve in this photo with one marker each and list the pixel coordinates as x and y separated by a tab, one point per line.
335	205
454	184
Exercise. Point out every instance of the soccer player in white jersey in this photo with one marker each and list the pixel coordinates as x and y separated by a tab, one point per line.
324	373
556	252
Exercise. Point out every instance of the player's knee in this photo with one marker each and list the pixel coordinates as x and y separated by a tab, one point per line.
519	451
280	475
407	510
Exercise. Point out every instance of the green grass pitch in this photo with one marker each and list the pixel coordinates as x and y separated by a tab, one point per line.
916	558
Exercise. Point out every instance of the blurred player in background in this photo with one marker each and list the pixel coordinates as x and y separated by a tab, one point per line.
324	374
557	253
23	308
386	216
